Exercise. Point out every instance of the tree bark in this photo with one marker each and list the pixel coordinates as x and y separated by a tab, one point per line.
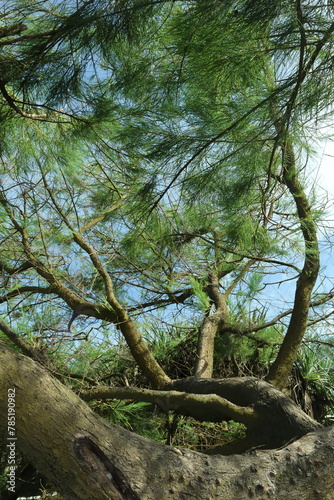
86	457
209	329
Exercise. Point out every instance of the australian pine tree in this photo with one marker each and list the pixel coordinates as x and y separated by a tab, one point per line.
154	165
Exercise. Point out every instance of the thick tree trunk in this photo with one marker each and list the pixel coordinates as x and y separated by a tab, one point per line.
85	457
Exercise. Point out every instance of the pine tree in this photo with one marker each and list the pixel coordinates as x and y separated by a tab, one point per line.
152	164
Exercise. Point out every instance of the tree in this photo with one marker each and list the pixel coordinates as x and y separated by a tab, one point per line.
159	167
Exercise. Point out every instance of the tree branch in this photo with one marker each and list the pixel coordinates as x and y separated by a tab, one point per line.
200	406
24	290
25	347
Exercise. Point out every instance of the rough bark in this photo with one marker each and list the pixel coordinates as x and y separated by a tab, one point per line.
85	457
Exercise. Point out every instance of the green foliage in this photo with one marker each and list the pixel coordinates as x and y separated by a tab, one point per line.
124	413
176	351
314	375
202	436
203	298
241	355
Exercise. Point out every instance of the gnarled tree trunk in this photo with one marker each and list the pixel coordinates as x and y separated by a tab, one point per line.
86	457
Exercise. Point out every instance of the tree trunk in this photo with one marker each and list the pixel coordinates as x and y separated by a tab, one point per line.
86	457
209	328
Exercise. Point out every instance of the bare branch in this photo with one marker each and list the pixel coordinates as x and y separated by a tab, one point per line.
22	290
214	407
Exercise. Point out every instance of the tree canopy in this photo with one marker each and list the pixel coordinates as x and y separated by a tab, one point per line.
155	201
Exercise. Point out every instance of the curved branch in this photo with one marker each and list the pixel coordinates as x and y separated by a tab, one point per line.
13	105
152	469
11	271
209	407
281	368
